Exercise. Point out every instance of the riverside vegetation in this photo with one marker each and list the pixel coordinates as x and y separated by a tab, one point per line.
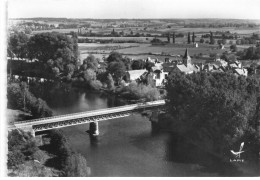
216	111
26	153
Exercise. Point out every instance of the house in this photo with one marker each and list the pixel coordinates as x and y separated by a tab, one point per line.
208	67
235	64
222	62
183	68
151	60
221	46
134	75
241	71
168	67
158	75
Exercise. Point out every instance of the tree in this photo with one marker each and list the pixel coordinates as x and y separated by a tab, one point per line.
96	85
156	41
173	38
168	37
70	162
219	41
127	62
17	44
193	38
212	40
201	40
40	109
224	41
238	42
56	71
83	67
28	31
91	62
138	64
110	82
188	37
252	53
148	65
90	75
117	70
45	46
19	97
114	56
69	69
233	48
21	146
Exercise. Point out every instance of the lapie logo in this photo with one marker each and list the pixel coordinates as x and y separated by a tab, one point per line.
237	154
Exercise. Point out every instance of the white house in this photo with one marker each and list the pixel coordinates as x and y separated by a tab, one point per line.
159	75
134	75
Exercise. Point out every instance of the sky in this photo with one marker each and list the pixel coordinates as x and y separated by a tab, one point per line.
114	9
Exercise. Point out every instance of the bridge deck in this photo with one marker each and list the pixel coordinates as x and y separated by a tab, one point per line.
93	113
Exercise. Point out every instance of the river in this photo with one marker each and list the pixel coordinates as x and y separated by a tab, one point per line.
126	146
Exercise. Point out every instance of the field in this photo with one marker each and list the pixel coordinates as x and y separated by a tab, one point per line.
142	51
159	30
137	39
56	30
142	47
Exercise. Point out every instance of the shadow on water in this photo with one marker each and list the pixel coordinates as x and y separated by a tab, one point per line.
179	150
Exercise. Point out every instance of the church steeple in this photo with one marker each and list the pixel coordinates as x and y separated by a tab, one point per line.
186	58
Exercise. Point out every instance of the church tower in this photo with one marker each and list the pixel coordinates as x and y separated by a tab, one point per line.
186	58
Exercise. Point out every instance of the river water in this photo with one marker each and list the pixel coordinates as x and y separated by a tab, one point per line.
126	146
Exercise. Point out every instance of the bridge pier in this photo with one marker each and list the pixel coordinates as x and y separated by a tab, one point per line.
94	128
154	120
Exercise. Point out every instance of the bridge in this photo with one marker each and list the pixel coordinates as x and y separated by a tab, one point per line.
91	117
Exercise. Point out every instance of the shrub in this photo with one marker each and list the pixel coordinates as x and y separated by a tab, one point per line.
15	158
70	162
19	96
21	146
76	166
96	85
141	91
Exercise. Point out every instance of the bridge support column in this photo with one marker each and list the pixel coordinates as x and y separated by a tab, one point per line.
93	128
154	120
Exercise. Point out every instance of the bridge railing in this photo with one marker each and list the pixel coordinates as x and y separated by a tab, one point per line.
95	112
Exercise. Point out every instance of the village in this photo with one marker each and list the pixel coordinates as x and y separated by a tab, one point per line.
161	70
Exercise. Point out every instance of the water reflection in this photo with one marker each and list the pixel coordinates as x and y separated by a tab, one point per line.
94	141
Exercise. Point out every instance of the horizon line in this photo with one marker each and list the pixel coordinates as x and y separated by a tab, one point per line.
131	18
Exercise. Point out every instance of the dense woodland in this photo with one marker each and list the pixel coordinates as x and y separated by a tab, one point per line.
215	110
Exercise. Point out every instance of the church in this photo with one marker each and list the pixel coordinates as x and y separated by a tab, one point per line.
186	65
